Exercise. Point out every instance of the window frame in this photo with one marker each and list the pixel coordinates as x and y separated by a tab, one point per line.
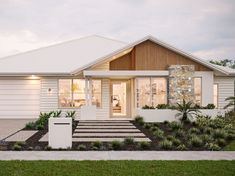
72	96
200	89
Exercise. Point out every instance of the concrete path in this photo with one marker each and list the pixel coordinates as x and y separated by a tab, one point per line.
116	155
10	126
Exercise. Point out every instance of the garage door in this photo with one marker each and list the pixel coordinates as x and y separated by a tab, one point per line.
19	98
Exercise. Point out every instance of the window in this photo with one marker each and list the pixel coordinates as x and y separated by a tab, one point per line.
198	90
72	92
96	93
151	91
215	94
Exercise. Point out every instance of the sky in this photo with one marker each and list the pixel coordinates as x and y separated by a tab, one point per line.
204	28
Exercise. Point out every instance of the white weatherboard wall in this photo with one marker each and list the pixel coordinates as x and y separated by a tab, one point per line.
49	101
225	89
19	98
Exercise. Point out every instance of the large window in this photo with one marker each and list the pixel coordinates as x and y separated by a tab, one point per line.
215	94
72	92
151	91
198	90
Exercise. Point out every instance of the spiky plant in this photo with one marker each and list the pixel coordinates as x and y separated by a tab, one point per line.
231	103
186	111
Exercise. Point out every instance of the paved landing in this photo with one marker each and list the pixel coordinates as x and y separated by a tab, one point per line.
21	136
106	131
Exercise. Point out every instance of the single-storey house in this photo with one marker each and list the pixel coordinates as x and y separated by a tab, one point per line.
102	78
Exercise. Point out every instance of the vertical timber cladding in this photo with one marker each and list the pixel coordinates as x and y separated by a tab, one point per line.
181	84
151	56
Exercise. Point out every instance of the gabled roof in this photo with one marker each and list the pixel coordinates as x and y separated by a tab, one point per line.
220	69
73	57
60	58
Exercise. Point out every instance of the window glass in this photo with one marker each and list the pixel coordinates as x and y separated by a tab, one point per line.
65	93
159	91
215	93
96	93
143	92
79	92
198	90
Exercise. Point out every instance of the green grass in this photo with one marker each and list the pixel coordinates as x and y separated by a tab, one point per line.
230	147
117	168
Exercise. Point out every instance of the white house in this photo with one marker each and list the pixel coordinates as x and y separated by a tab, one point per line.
118	79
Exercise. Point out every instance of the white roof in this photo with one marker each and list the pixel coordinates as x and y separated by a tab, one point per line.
60	58
77	55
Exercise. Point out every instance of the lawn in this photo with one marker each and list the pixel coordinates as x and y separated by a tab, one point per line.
142	168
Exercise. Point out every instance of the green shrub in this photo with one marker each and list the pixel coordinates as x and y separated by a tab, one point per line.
166	144
179	133
147	107
162	106
81	147
30	125
159	134
194	131
97	144
144	145
70	114
39	127
154	128
139	120
218	122
30	148
129	141
181	147
175	125
47	147
166	122
94	148
156	124
202	121
212	146
231	136
147	126
116	145
176	142
207	138
170	137
210	106
221	142
16	147
21	143
219	133
195	141
56	113
208	130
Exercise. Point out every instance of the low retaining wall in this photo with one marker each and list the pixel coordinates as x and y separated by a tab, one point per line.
160	115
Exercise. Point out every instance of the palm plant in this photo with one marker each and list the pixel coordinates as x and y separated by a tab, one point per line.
186	111
231	102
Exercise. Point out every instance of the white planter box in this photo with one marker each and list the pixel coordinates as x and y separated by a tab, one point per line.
88	112
160	115
60	132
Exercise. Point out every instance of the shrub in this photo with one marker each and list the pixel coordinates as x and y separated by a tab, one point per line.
221	142
218	122
21	143
156	124
170	137
231	136
97	144
37	147
30	125
181	147
116	145
212	146
195	141
166	122
81	147
94	148
159	134
56	113
147	126
179	133
194	131
70	114
16	147
143	145
176	142
210	106
129	141
208	130
175	125
162	106
202	121
154	128
47	147
30	148
39	127
219	133
207	138
139	119
166	144
147	107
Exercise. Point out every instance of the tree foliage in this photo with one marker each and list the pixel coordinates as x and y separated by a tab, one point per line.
224	62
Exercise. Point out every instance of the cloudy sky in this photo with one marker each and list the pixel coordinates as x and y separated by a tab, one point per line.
204	28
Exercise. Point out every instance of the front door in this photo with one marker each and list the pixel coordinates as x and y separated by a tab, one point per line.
120	98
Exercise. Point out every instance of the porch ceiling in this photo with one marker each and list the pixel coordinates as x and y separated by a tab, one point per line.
124	74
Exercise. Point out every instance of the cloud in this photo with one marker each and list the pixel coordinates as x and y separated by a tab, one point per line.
194	26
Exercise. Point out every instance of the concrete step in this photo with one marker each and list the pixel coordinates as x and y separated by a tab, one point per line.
104	121
107	130
105	127
108	134
107	139
103	124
